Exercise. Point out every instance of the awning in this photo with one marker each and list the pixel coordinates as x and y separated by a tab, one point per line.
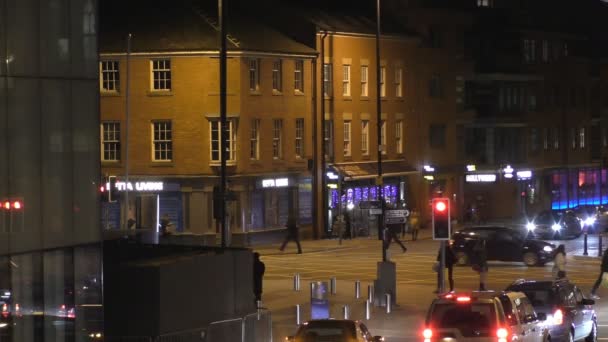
369	170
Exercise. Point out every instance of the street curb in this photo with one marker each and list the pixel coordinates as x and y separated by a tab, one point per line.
585	257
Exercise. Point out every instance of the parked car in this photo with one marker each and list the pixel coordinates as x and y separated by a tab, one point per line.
334	330
551	225
502	244
484	316
570	316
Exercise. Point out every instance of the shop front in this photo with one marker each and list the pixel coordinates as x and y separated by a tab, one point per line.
571	188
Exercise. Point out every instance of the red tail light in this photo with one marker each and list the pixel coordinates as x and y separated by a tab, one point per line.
502	334
4	307
427	333
558	317
463	299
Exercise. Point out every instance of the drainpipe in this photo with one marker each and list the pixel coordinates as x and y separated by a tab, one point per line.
315	146
324	207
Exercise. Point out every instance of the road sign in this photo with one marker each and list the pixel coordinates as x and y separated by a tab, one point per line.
375	211
395	216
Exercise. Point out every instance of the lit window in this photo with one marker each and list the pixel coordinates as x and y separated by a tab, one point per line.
346	80
161	75
300	138
162	141
347	139
581	137
215	140
545	139
399	136
277	75
555	138
277	135
254	140
383	135
299	76
399	82
327	80
254	74
110	77
365	137
110	141
382	81
364	90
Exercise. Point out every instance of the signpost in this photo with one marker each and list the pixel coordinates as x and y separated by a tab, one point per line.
395	216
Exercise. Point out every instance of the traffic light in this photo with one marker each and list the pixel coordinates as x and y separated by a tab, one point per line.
103	192
441	219
112	189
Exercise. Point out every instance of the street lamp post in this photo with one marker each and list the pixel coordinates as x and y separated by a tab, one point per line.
379	133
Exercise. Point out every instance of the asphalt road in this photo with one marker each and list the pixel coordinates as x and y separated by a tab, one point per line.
357	260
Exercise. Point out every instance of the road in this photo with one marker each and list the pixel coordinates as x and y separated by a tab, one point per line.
356	260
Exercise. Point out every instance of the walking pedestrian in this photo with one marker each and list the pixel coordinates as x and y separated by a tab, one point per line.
450	260
258	274
559	262
414	224
292	234
479	262
603	268
392	230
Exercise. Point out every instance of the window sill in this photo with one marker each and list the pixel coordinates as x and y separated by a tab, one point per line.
364	98
327	97
109	94
255	92
162	163
347	98
365	157
276	92
160	93
111	163
298	93
219	164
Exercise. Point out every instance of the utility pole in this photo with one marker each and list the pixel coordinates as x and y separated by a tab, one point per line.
223	123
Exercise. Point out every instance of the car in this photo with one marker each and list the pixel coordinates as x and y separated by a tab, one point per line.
550	225
334	330
570	316
502	244
594	218
483	316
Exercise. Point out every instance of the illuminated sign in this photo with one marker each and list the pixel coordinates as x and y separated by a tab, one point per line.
429	177
139	186
275	183
471	168
524	174
481	178
429	168
332	175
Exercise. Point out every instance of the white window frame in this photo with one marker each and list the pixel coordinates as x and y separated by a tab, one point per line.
347	129
162	140
109	76
254	75
277	139
365	137
110	141
254	140
160	75
299	76
299	143
346	80
214	125
581	137
399	136
277	75
327	79
364	80
382	81
383	135
399	82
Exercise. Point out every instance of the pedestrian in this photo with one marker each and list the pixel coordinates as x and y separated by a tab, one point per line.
479	262
559	262
414	224
258	274
292	234
391	231
603	268
165	223
450	260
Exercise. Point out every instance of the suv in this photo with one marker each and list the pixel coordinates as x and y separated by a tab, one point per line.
570	315
502	244
484	316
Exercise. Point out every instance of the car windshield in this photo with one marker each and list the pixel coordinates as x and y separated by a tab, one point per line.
327	331
464	317
538	297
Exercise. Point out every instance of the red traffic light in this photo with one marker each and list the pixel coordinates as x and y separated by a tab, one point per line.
440	206
102	188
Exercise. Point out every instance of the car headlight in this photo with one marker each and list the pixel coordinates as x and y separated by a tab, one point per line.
556	227
590	221
548	249
530	226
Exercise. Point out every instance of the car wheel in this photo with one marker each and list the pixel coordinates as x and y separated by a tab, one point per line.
592	337
461	258
530	259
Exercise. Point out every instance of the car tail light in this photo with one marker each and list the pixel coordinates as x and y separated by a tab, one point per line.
463	299
427	333
558	317
502	334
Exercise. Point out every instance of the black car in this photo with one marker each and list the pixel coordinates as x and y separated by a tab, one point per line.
502	244
594	218
551	225
570	316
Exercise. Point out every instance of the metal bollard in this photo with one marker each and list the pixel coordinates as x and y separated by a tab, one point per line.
370	293
585	244
298	321
389	305
357	289
346	312
600	249
258	304
368	311
296	282
332	285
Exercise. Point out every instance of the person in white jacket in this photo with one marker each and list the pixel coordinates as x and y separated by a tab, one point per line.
559	262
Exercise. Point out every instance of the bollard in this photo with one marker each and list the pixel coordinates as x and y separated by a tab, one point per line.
346	312
296	282
370	293
357	289
298	322
585	245
332	285
600	249
368	311
388	303
258	304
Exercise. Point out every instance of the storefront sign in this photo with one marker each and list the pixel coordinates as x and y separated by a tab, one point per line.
275	183
139	186
481	178
524	174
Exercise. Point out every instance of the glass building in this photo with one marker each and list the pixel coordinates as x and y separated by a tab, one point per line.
50	255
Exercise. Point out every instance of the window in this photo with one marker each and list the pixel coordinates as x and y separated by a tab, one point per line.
277	135
529	50
398	82
581	137
254	140
327	80
254	74
485	3
110	77
347	139
365	137
399	136
215	142
533	50
364	90
299	138
573	138
161	75
437	136
555	136
435	86
545	139
162	143
329	138
382	81
545	50
277	75
383	135
346	80
110	141
299	76
534	139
